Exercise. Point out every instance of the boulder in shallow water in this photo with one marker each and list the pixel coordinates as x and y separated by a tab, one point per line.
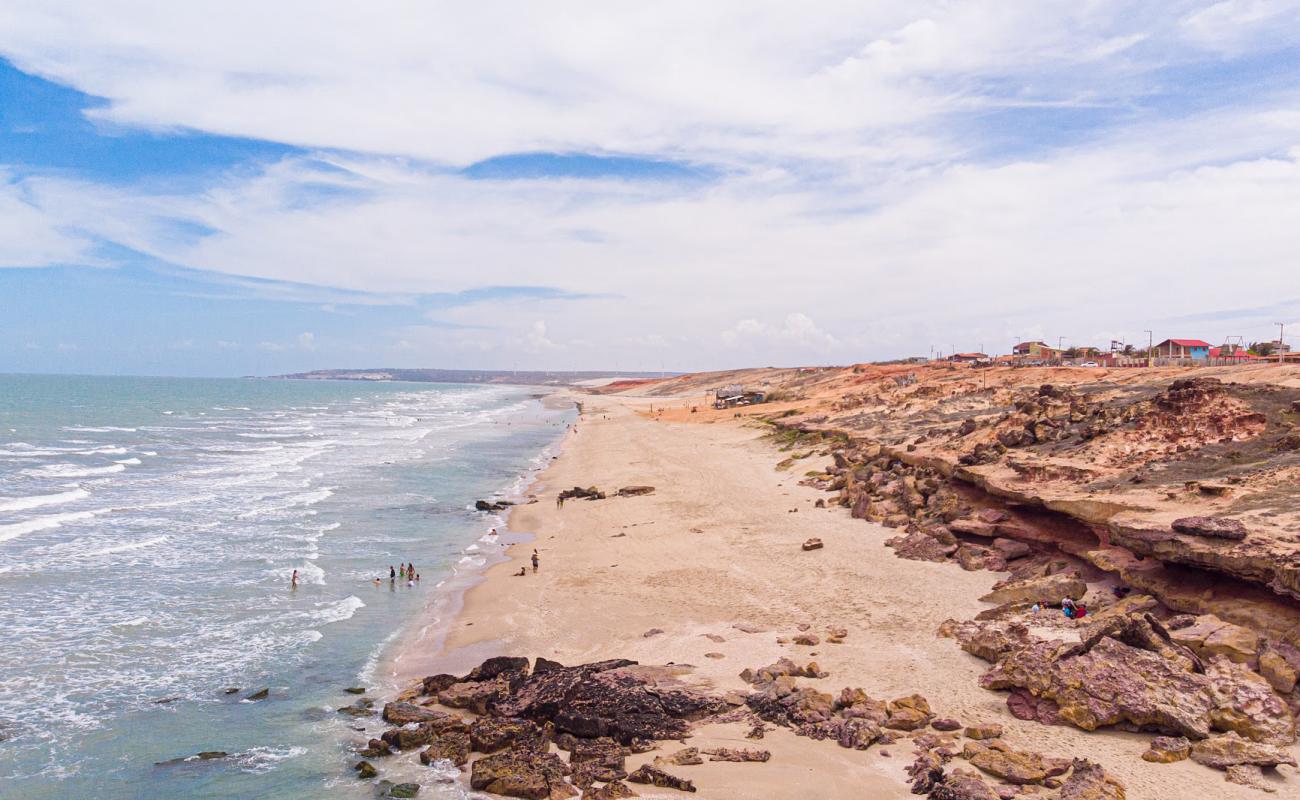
365	770
406	713
260	694
451	744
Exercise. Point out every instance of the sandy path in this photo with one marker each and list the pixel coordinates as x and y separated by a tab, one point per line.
716	545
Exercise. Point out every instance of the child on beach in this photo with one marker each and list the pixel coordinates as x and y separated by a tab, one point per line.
535	560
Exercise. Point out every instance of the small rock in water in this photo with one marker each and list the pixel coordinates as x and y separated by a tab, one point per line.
260	694
231	690
165	700
355	690
206	755
401	790
365	770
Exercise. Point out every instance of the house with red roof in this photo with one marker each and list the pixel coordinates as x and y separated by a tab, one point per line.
1194	349
1231	352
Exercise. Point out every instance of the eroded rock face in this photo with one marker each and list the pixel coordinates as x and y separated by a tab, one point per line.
1211	636
452	744
657	777
406	713
519	772
1049	588
614	790
490	734
1112	682
1013	766
1211	527
1167	749
610	698
1088	781
1229	750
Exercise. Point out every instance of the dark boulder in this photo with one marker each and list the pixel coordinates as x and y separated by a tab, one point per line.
490	734
406	713
519	772
657	777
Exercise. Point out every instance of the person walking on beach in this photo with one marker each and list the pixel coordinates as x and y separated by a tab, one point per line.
559	500
535	560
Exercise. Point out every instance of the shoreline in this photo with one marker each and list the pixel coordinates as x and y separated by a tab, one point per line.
404	659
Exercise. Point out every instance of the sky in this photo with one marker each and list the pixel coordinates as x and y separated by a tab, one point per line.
238	188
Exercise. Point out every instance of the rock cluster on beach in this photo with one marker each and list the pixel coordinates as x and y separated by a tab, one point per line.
512	726
1133	673
599	713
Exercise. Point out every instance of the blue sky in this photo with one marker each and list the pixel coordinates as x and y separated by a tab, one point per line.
183	192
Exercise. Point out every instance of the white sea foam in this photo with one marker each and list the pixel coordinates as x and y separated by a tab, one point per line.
39	500
105	429
130	462
337	612
66	470
122	548
17	529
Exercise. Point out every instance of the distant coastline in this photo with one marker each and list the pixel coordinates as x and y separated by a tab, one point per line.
523	377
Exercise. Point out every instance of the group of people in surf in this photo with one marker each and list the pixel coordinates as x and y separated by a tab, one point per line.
405	571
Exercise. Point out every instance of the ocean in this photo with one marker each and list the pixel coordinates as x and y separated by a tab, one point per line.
148	531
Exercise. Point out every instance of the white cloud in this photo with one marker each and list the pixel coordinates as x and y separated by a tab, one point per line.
853	186
307	340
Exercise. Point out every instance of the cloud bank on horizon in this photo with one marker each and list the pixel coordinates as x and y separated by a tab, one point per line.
240	187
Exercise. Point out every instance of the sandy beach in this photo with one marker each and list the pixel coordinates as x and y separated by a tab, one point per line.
718	545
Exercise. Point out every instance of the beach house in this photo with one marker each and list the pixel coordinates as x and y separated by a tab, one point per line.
1195	349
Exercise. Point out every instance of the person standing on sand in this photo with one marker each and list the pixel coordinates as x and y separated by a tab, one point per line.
559	500
535	560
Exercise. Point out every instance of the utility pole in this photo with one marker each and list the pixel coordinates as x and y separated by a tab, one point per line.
1281	329
1150	354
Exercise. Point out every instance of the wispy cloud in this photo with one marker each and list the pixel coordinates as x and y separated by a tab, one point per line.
636	180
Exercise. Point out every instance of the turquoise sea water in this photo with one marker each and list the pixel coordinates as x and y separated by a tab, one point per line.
148	529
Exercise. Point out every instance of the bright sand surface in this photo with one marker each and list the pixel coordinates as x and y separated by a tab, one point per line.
716	545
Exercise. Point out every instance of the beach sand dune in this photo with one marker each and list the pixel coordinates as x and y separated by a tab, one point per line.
718	545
